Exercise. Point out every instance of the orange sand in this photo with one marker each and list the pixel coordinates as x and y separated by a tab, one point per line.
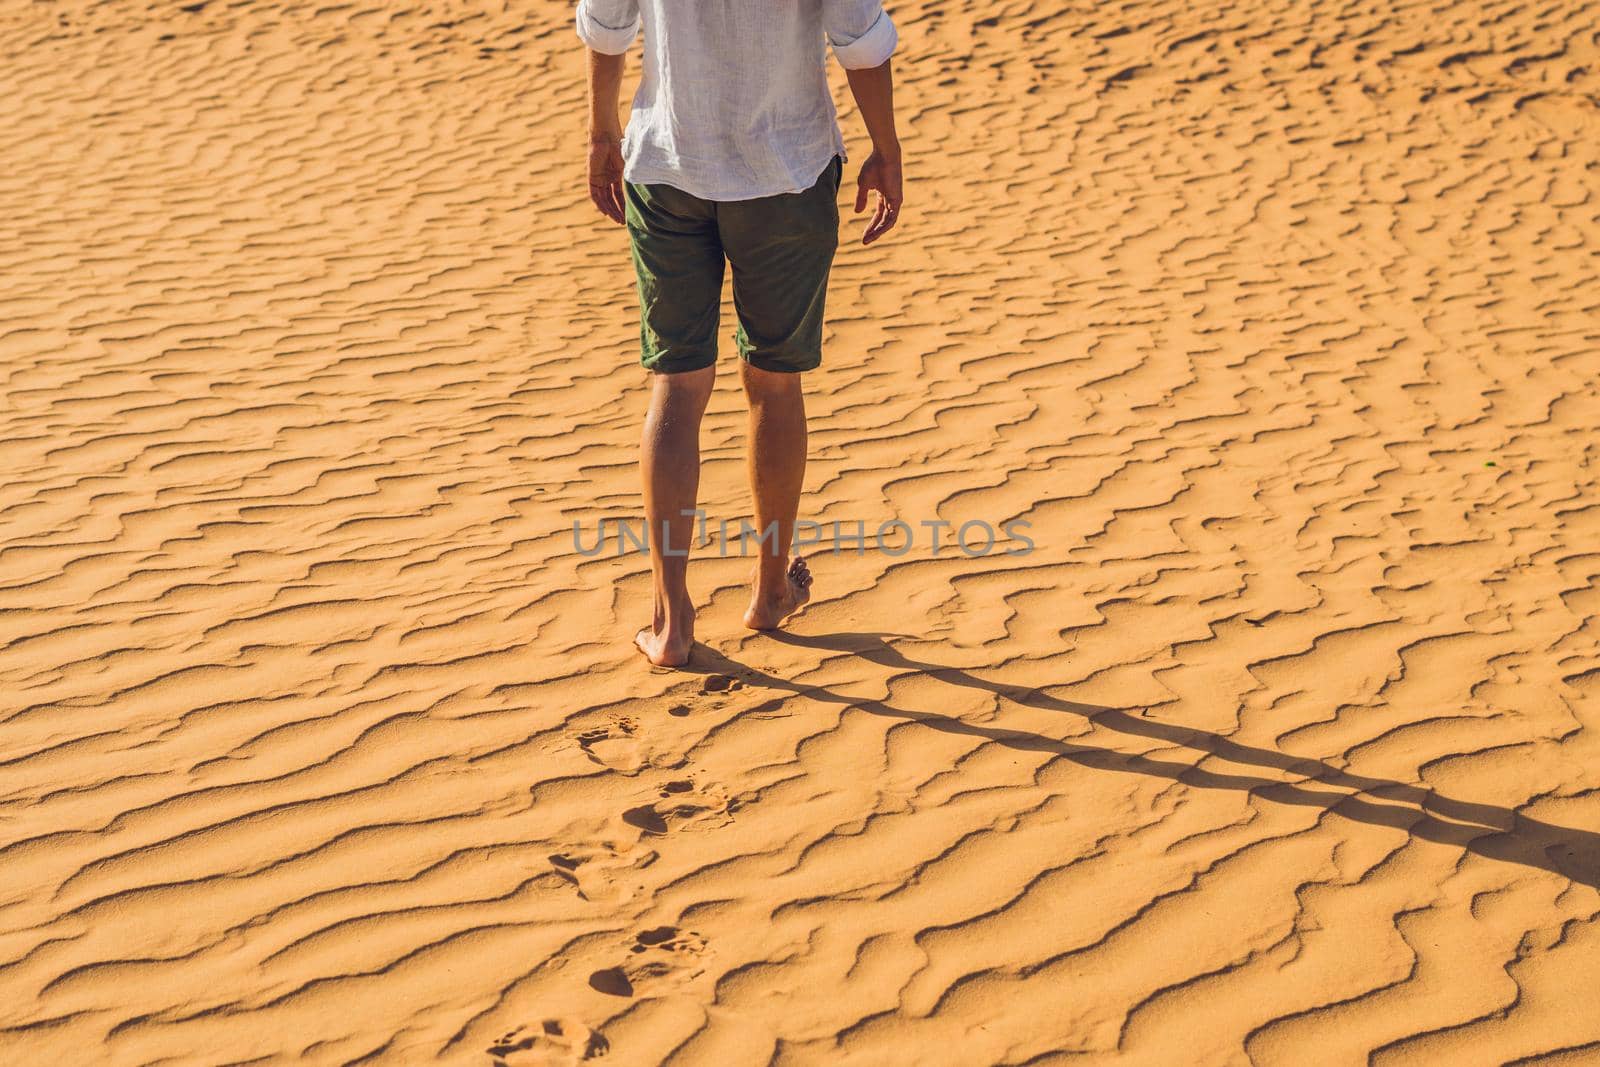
1279	321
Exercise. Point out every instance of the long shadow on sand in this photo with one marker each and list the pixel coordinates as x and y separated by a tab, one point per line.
1490	831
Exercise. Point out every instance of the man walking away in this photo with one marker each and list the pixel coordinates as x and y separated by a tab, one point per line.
733	155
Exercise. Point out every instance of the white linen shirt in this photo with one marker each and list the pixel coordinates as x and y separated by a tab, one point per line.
733	101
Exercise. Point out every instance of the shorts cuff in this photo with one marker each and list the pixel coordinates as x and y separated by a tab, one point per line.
794	364
679	364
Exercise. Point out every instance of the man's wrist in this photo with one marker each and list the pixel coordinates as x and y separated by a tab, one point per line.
888	149
604	136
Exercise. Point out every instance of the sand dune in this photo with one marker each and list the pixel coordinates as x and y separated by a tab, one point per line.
1278	321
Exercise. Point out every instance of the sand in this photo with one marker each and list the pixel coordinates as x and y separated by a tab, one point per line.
323	743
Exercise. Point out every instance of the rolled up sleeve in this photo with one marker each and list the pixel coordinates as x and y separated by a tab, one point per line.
608	26
860	31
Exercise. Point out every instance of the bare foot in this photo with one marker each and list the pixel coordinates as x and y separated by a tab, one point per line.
768	609
670	636
665	648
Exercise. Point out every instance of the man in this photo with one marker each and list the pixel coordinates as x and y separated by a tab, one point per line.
733	153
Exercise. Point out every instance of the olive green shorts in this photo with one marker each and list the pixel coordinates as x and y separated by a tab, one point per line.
781	248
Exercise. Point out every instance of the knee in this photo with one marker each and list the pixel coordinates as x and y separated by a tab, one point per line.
688	391
764	386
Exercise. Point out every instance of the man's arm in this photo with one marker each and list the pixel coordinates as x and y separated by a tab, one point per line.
873	88
863	38
605	134
608	27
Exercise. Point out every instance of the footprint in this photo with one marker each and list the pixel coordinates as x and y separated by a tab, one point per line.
719	683
683	805
613	745
551	1043
660	958
646	818
612	981
601	874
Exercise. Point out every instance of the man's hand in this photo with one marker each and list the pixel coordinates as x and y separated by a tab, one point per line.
605	135
881	172
605	175
873	88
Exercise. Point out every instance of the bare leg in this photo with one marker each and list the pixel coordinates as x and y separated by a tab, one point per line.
777	463
670	464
